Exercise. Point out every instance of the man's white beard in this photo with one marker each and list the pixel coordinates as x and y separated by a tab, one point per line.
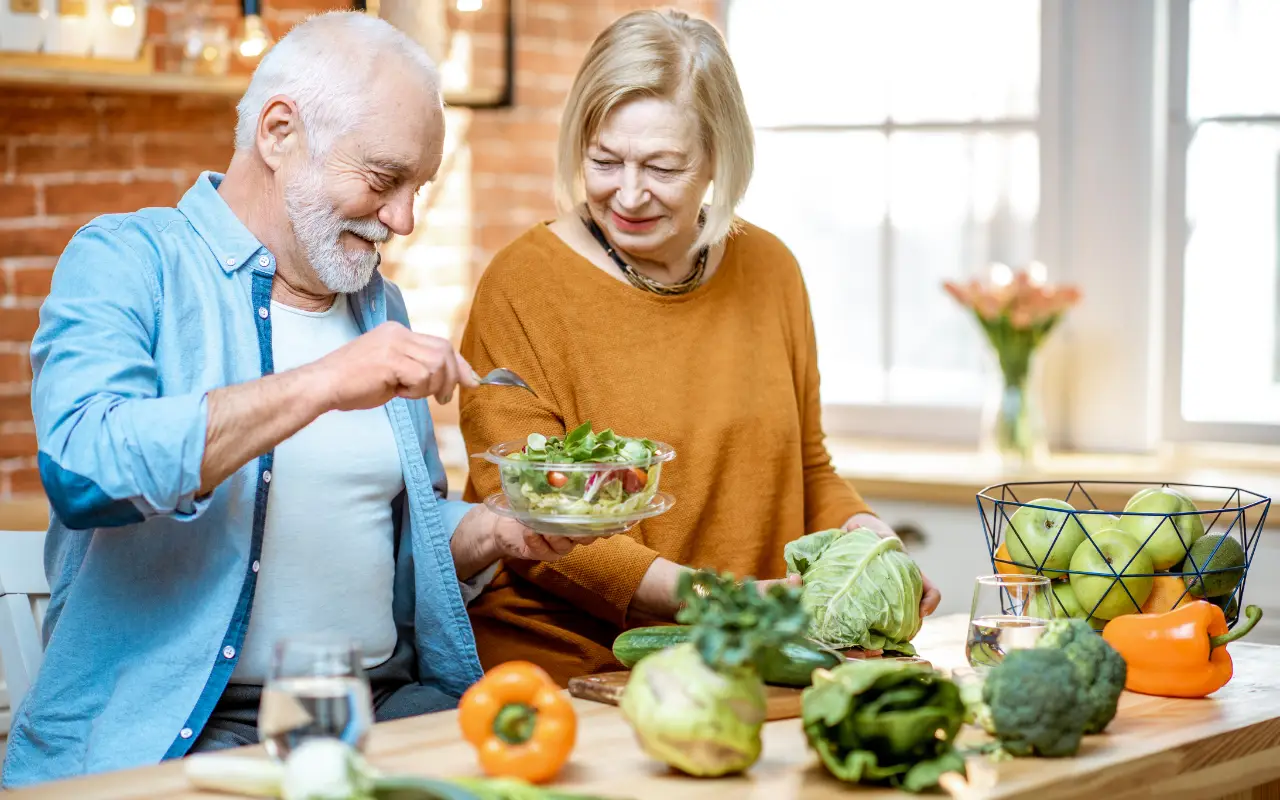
318	227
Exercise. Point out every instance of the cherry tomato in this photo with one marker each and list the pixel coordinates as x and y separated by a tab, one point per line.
634	479
557	479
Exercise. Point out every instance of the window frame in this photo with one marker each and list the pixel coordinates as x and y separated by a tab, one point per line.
948	422
1180	131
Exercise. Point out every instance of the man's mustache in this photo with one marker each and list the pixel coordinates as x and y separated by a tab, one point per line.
369	229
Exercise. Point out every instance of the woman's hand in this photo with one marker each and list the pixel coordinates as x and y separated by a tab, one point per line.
931	597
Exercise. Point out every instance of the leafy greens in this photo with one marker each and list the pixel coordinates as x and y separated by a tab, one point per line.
582	445
888	723
699	706
861	590
624	481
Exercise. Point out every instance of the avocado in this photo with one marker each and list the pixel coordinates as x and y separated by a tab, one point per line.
1230	557
1229	604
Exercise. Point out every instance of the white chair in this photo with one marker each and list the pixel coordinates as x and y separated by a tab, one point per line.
24	596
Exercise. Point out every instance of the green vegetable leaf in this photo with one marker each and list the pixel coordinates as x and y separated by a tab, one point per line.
888	723
733	623
582	445
577	435
925	775
635	450
860	590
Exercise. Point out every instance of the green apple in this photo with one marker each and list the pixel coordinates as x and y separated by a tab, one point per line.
1063	599
1065	605
1138	495
1141	493
1097	523
1165	539
1120	564
1044	536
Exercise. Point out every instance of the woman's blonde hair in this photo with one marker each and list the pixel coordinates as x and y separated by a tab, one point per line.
669	55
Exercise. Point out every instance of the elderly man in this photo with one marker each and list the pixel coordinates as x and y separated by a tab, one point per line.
234	434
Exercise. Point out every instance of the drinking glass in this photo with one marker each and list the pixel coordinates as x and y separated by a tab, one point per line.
316	688
1009	612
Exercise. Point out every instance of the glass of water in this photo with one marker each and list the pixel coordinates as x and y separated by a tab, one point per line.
1009	612
317	688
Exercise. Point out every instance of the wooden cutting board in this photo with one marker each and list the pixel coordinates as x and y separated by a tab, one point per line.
781	702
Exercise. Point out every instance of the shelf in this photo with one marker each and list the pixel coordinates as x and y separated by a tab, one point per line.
37	70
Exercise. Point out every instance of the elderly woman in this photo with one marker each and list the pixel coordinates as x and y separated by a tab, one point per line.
642	310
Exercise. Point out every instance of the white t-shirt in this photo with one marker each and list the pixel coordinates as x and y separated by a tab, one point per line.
327	552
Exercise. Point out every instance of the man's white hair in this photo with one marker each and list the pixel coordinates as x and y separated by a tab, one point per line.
327	65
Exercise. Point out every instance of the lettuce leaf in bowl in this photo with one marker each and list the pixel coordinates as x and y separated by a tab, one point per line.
860	590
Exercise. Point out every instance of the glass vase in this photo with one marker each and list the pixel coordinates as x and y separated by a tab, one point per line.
1013	424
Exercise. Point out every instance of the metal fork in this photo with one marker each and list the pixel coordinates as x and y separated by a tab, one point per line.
503	377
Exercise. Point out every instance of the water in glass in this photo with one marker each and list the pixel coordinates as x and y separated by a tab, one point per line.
1009	612
317	688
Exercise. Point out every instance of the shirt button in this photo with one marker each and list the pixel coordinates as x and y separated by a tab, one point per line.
231	262
185	733
255	566
229	651
262	312
266	476
263	261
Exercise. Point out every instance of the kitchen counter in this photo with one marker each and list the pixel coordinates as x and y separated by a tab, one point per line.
949	474
1226	746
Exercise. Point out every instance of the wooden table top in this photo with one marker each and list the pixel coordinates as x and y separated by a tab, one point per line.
1155	747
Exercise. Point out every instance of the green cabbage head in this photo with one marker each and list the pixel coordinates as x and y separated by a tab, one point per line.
703	722
860	590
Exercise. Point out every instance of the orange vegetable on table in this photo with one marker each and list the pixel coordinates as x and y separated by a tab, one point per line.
1180	653
519	722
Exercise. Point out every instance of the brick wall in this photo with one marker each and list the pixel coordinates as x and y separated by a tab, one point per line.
66	157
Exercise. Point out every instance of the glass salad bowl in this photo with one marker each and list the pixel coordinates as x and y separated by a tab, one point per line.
582	484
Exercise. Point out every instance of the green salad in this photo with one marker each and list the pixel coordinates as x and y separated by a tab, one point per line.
583	473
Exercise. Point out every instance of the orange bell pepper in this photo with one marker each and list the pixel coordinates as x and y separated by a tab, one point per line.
519	722
1180	653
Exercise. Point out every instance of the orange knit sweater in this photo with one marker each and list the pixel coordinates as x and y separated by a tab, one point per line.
726	374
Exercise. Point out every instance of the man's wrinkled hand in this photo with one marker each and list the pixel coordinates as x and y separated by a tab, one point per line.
389	361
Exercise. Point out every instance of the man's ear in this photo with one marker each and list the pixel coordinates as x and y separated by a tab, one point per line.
279	130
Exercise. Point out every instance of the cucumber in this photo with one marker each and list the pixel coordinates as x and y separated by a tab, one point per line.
635	644
790	665
793	663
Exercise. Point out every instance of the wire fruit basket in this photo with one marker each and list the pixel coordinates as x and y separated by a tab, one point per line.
1169	544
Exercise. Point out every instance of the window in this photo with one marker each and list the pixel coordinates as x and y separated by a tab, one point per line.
1225	164
897	146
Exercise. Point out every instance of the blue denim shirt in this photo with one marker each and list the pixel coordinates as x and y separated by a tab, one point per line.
151	586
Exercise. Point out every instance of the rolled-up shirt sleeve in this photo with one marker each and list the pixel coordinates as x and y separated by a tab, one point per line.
112	451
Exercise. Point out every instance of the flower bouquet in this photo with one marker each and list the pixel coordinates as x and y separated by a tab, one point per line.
1017	310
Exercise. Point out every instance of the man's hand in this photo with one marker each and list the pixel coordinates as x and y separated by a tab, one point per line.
248	419
931	597
390	361
483	537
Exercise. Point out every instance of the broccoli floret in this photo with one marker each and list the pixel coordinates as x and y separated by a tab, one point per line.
1100	668
976	712
1035	702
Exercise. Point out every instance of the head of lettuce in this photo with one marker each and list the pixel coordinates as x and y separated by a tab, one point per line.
861	590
